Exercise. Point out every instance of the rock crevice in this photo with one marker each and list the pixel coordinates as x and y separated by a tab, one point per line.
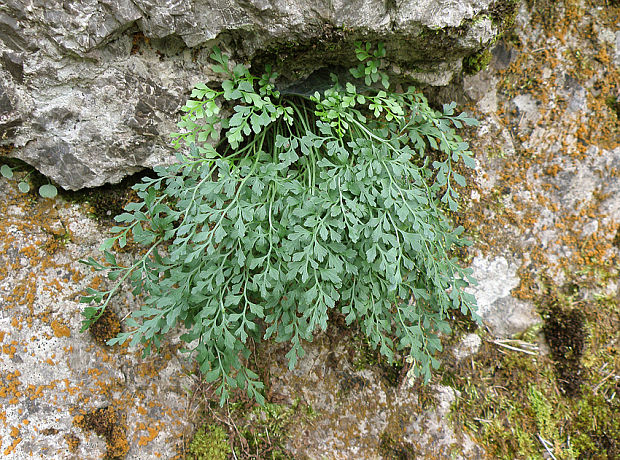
89	90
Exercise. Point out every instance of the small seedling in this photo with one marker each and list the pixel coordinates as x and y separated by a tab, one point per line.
46	191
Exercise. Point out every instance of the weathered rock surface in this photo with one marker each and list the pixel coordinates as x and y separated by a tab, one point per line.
501	312
54	378
544	212
90	90
363	414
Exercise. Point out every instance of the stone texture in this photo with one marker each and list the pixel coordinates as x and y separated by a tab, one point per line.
50	373
617	50
469	345
547	196
362	415
90	89
500	311
545	208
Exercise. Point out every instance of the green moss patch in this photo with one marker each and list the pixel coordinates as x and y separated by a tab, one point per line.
244	430
210	442
477	62
517	405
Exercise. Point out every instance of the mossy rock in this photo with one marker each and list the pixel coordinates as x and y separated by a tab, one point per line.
477	62
210	443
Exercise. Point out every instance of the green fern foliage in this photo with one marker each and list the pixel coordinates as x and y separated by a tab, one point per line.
282	208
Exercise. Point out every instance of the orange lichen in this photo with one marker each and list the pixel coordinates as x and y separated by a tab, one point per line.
153	432
72	441
106	423
9	450
60	329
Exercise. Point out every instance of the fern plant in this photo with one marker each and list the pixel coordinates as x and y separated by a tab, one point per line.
283	208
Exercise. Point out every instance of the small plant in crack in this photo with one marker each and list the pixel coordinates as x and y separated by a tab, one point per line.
282	208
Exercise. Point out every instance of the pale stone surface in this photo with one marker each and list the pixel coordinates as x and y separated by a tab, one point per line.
564	195
469	345
480	87
500	311
617	53
355	406
49	371
91	89
358	408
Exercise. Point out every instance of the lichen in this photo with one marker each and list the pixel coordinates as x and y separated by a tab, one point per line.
72	441
106	422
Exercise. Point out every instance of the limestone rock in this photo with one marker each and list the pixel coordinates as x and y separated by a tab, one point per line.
52	377
91	89
469	345
504	314
362	414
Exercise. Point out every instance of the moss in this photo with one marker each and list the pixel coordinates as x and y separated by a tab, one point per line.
106	327
210	442
5	151
542	412
265	430
350	383
565	333
616	240
509	401
614	104
503	13
477	62
393	450
297	59
596	430
255	431
568	397
365	356
106	422
494	404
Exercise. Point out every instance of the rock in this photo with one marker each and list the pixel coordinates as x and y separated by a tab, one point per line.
90	90
504	314
617	50
576	95
478	88
361	414
527	108
468	346
503	55
54	380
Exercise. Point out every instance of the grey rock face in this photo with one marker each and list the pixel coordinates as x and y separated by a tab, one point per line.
90	89
51	373
502	313
359	408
